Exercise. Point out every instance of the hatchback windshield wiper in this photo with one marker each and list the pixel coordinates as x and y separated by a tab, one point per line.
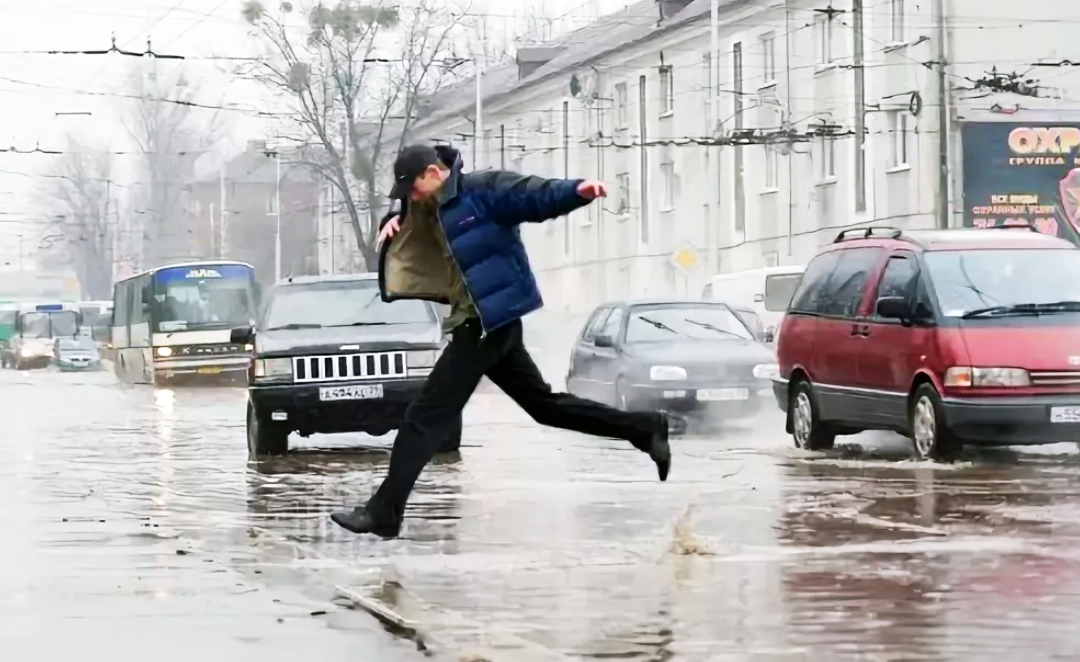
659	325
293	327
712	327
1025	309
338	326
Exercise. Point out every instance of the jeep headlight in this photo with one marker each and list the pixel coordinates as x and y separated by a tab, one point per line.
420	362
273	369
163	352
666	373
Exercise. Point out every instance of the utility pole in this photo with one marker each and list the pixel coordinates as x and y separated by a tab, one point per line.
223	235
860	107
943	107
277	233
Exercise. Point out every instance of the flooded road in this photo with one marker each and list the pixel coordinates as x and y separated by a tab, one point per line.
134	523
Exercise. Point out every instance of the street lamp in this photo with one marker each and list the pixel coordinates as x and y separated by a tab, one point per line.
276	154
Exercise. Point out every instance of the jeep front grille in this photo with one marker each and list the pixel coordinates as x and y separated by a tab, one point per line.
342	367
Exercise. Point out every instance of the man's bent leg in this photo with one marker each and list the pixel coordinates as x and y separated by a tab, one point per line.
427	420
517	375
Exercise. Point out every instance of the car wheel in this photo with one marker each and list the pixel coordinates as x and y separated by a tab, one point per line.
452	443
930	434
807	429
265	437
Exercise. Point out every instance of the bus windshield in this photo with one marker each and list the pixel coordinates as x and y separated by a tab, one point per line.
49	325
208	297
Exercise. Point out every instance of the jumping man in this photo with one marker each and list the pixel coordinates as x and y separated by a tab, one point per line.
457	242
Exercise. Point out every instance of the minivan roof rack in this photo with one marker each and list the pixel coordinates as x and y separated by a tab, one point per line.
866	233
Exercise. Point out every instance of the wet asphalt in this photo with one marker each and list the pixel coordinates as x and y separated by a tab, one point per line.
134	523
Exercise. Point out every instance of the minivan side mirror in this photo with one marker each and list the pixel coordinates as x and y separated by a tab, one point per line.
893	308
242	335
604	341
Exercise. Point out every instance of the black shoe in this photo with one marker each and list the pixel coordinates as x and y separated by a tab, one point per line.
359	520
659	450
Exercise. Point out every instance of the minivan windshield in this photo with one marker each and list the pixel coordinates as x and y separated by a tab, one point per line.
340	303
975	280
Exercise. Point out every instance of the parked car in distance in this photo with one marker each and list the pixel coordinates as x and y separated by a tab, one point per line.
330	356
697	360
948	337
77	354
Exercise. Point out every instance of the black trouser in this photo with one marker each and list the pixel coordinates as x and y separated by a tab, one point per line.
501	355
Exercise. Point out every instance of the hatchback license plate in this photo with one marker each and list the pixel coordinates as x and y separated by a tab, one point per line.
1065	414
369	392
723	394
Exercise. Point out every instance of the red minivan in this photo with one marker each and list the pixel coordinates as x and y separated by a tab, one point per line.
948	337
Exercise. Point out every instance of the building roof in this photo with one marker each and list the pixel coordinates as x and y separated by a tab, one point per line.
609	34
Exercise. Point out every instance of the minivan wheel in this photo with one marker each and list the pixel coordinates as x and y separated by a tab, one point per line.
930	434
265	437
806	428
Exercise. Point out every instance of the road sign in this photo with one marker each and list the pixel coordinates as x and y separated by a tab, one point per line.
686	258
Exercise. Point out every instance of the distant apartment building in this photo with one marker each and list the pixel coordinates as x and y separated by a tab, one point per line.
235	215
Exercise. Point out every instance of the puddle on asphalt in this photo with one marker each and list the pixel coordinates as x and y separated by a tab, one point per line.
752	550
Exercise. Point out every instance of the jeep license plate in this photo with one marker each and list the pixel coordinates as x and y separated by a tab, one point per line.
212	370
723	394
366	392
1065	414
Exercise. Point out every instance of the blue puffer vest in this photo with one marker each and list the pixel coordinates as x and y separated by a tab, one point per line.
479	214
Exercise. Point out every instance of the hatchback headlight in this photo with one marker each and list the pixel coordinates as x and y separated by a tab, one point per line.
273	369
666	373
767	371
968	377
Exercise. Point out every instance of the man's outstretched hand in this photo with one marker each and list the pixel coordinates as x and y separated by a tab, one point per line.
388	230
591	190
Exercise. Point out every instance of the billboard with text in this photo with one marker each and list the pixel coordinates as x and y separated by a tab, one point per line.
1023	173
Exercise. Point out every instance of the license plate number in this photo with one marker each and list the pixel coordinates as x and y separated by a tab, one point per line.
368	392
723	394
210	371
1065	414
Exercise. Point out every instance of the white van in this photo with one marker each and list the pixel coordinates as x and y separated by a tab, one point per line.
766	291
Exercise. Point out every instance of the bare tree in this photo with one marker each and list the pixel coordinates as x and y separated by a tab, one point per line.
172	134
80	192
346	96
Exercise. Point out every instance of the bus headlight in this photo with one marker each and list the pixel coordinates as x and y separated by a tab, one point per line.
273	369
163	352
421	362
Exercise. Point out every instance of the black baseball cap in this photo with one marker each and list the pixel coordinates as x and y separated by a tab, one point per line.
411	162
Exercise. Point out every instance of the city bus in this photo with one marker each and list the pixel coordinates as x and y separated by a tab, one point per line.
37	326
175	321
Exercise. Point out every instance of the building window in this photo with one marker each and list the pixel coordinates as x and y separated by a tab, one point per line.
667	91
827	160
898	138
621	101
768	57
823	36
622	193
897	21
771	169
667	174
